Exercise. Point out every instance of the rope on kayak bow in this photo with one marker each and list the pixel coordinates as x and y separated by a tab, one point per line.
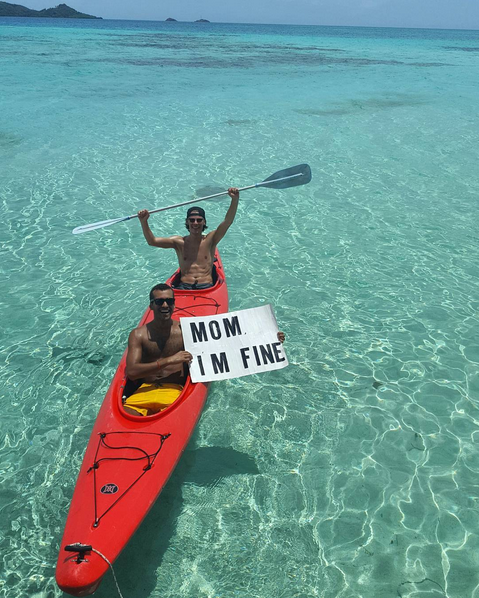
82	549
186	310
111	567
150	458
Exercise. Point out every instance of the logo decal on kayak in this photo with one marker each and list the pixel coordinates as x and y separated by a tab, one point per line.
109	489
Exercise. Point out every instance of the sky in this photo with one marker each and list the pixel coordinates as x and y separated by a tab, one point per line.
441	14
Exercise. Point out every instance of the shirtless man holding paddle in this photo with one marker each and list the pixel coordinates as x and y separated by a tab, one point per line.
195	251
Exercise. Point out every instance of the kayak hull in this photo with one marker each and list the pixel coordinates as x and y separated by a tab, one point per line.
128	461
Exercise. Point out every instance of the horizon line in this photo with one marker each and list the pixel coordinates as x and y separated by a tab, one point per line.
250	23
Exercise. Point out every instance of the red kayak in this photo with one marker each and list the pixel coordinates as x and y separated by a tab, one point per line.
129	459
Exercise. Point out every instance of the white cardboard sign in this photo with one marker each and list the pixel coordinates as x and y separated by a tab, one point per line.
232	345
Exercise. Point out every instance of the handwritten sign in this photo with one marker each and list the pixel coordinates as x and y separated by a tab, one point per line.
233	345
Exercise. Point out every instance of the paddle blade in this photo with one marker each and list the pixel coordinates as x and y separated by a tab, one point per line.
88	227
300	175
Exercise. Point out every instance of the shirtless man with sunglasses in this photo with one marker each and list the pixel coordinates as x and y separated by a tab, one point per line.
156	357
195	251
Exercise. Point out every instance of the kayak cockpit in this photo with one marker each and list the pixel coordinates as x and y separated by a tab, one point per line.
175	280
131	386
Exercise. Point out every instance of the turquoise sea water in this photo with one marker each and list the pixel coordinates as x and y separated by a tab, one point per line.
352	473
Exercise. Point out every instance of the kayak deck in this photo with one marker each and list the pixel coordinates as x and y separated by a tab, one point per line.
129	459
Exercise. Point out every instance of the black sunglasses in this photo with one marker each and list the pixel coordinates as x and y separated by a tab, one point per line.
169	301
193	220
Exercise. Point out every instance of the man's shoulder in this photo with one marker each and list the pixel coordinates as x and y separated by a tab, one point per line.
176	326
177	240
208	238
138	333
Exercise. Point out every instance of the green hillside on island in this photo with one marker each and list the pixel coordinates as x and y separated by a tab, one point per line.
62	11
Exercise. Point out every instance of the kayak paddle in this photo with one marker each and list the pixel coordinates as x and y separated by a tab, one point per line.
283	179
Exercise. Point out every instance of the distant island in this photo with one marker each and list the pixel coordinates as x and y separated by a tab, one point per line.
62	11
198	21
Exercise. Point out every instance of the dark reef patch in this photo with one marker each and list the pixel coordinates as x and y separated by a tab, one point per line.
324	112
237	123
9	139
462	48
428	64
371	104
67	354
209	190
211	52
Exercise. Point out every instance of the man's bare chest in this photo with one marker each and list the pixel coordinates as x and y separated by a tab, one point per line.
197	254
156	346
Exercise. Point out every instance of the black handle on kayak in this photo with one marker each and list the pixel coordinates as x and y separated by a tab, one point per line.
80	548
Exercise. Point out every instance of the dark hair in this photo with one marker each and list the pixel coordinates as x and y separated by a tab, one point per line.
161	287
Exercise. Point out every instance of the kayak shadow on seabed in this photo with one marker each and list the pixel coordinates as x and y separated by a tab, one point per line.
137	566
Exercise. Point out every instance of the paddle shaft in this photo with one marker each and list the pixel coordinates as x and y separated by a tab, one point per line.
186	203
279	180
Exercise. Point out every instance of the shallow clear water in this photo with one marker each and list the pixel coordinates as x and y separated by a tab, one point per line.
351	472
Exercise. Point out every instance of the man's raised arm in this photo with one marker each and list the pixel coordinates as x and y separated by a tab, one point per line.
220	232
163	242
